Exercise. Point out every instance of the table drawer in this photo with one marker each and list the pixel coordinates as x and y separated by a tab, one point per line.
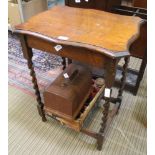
76	53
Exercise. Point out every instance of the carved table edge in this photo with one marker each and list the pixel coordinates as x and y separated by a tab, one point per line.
135	37
101	50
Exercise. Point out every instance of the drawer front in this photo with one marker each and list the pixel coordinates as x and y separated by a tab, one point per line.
76	53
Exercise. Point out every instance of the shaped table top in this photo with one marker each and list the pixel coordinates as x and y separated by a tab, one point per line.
97	30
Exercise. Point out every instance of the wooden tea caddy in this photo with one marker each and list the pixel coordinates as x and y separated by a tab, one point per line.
68	92
64	99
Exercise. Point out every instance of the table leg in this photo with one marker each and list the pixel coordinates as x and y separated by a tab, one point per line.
123	81
37	92
69	61
63	62
141	73
110	71
28	54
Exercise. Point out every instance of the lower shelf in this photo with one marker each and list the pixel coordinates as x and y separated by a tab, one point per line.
77	124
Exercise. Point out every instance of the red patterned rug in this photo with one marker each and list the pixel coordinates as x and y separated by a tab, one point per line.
47	67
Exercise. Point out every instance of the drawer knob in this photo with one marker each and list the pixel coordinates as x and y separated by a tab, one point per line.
58	48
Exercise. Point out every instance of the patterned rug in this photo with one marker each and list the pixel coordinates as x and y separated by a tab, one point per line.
47	67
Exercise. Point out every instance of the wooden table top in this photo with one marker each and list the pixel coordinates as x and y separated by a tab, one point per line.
95	29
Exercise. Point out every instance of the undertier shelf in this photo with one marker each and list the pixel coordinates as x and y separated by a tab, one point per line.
77	124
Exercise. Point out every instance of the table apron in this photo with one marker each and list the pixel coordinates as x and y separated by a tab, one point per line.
76	53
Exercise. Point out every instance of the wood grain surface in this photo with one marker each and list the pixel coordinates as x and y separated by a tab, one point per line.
85	26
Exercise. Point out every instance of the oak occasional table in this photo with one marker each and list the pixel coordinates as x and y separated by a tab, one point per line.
81	35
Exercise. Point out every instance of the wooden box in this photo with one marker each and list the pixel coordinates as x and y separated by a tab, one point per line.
68	93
